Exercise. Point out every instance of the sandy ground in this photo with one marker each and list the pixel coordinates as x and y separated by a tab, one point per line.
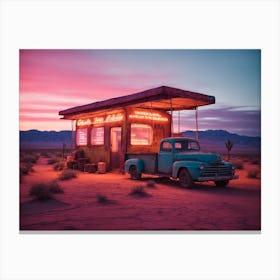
166	207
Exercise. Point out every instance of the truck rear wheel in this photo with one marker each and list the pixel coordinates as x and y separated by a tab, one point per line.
223	183
185	178
134	175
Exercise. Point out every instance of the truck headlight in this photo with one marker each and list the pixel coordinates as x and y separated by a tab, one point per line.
201	166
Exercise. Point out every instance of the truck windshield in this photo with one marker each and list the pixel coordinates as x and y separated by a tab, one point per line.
186	145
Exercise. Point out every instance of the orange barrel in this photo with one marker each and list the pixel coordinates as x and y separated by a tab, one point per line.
101	167
69	159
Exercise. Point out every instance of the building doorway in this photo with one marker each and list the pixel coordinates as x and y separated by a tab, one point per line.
116	144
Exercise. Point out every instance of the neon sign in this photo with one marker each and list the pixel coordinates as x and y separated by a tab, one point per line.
98	120
114	118
101	120
145	115
108	118
83	122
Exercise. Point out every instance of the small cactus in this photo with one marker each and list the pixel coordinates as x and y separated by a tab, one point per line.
229	145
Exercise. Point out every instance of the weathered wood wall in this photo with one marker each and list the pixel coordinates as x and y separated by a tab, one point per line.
96	153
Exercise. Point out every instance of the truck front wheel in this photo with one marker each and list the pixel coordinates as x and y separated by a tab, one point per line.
223	183
134	175
185	178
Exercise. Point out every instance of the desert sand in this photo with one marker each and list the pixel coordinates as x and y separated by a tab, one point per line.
166	206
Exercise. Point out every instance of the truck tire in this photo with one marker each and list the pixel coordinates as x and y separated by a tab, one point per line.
185	178
223	183
134	175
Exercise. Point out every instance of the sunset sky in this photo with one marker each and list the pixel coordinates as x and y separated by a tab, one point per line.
54	80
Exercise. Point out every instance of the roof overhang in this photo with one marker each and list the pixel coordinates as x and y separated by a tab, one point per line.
160	98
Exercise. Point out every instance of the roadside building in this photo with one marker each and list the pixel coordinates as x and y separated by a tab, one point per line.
107	130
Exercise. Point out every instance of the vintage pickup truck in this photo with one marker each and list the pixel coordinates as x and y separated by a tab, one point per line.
181	159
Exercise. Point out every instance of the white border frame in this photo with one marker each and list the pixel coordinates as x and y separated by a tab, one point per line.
140	24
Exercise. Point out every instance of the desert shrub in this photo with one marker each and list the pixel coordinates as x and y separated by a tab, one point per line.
138	191
238	164
67	174
101	198
44	191
151	184
29	158
45	154
40	191
254	174
255	161
52	161
58	166
55	187
25	168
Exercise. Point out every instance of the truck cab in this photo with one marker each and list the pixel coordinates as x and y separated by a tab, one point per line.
182	159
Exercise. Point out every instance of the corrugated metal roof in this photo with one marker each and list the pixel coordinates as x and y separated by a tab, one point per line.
161	98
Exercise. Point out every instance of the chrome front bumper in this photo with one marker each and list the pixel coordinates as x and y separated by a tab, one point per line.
217	178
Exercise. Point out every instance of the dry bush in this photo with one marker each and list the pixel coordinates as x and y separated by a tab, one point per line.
25	168
44	191
255	161
58	166
67	175
238	164
254	174
52	161
55	187
28	158
40	191
101	198
45	154
138	191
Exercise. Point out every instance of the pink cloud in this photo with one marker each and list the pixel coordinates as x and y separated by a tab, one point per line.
54	80
76	72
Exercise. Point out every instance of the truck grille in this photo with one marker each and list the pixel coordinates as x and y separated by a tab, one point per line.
216	170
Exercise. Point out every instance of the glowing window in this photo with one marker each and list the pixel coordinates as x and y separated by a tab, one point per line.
166	147
181	145
97	136
81	137
178	145
141	134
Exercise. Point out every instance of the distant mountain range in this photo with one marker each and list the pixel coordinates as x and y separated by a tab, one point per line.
214	140
45	139
210	140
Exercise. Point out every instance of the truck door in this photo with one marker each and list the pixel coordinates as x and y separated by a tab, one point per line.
165	158
116	144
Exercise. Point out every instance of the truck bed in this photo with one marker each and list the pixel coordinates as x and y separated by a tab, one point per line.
150	161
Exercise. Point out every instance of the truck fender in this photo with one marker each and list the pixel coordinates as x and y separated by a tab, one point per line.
191	166
139	164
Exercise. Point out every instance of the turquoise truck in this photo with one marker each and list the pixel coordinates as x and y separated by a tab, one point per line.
181	159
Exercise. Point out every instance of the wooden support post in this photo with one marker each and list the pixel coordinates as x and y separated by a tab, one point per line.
72	128
196	124
151	110
179	120
171	109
